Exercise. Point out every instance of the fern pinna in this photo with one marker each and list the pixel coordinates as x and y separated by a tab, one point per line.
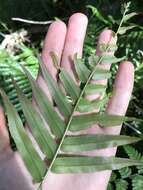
64	151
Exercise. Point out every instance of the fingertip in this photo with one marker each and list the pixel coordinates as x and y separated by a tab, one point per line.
122	89
58	24
127	66
76	32
125	76
106	37
54	41
79	17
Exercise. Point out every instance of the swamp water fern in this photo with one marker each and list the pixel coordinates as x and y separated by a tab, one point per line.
54	139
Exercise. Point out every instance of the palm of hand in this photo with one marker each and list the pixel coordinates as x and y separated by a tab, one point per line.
67	42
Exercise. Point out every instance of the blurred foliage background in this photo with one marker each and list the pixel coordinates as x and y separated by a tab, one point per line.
19	43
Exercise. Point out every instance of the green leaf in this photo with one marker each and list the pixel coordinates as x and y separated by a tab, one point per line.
71	88
92	89
110	186
121	184
90	164
88	106
97	13
82	71
137	182
85	121
125	172
36	123
63	104
133	153
108	47
50	115
123	30
109	59
93	142
129	16
31	158
93	60
101	74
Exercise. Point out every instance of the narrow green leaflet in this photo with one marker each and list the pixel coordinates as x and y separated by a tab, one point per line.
85	121
36	123
90	164
109	59
108	47
98	14
101	74
55	123
70	86
63	104
93	60
92	89
129	16
88	106
82	71
123	29
34	163
93	142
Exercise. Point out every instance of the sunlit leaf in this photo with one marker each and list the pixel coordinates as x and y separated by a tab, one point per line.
123	29
129	16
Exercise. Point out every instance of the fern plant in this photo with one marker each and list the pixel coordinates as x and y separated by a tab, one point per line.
54	138
9	65
127	178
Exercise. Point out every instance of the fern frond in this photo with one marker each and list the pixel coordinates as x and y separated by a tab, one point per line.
137	182
132	152
54	141
125	172
121	184
110	187
9	65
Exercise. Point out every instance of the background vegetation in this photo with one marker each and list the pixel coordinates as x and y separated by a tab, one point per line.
29	39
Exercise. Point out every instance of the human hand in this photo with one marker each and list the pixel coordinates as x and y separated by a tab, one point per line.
65	43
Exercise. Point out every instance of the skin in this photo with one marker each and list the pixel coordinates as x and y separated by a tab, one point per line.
65	42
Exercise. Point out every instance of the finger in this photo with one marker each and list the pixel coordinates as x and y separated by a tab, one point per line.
54	42
74	40
118	104
4	136
106	37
